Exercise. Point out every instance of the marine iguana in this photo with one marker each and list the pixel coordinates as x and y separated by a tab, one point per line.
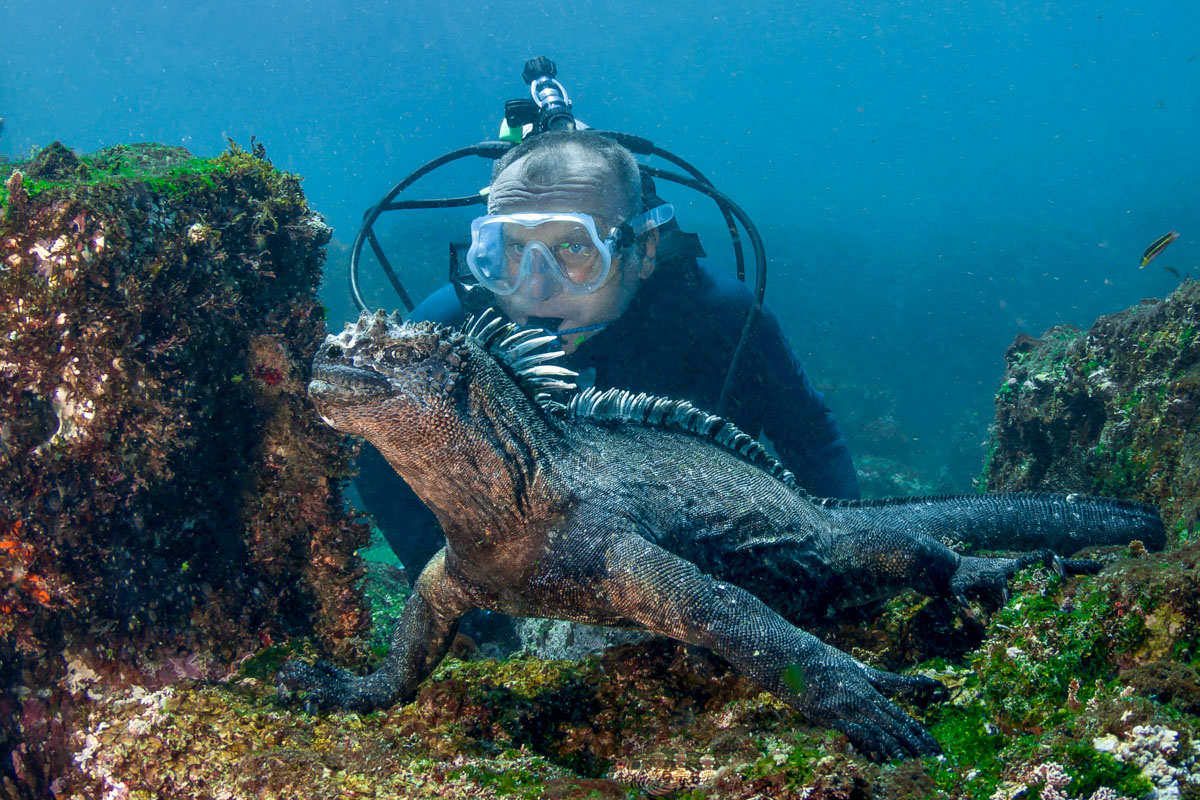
616	509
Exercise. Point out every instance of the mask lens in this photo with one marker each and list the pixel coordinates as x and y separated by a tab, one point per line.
488	258
503	253
577	254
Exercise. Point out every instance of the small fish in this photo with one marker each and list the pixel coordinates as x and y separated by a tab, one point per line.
1173	271
1157	246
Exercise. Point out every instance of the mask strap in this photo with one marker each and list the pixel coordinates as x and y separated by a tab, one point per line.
652	218
628	232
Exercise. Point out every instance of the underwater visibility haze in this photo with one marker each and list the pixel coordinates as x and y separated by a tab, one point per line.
964	207
929	178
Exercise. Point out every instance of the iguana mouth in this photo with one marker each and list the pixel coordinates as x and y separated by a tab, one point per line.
333	382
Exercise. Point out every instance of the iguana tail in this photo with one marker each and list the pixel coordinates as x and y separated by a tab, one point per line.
1063	523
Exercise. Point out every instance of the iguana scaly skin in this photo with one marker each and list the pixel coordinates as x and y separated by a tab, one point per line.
622	510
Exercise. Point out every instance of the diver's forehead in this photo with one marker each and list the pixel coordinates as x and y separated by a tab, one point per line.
581	183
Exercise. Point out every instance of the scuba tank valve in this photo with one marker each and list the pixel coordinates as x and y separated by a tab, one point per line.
554	107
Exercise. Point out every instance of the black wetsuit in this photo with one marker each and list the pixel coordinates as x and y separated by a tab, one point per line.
674	340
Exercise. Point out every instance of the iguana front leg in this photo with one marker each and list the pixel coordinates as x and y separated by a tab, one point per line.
419	643
669	595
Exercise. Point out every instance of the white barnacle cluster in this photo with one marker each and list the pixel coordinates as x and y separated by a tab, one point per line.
73	412
104	763
13	259
98	765
1053	780
77	388
1155	750
56	258
1101	384
73	407
152	704
51	257
79	675
198	233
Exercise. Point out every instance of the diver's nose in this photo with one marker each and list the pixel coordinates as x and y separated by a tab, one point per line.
541	283
540	287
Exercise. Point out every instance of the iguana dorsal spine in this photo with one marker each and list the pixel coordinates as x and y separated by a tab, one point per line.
540	378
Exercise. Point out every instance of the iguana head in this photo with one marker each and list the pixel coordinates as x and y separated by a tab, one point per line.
412	388
378	366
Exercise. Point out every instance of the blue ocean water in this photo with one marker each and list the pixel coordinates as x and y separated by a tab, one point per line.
930	178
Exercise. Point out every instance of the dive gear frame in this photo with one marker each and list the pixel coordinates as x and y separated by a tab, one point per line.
551	109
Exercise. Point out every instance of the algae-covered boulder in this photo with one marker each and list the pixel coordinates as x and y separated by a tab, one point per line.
1114	410
168	499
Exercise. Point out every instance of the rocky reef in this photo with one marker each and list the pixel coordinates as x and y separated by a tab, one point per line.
1085	688
1114	410
169	502
189	498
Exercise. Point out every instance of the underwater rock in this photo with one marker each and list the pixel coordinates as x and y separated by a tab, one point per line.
1113	411
1070	691
168	499
556	638
55	162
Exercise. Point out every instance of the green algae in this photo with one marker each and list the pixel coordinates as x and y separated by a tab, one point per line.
1046	646
385	589
172	171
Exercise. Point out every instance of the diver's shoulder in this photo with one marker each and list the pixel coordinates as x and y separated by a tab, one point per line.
721	292
724	298
721	285
443	307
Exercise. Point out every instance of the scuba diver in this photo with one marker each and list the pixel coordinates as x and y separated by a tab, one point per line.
576	240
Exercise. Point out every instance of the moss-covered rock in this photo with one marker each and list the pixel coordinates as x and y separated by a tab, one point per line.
1080	687
1113	411
168	499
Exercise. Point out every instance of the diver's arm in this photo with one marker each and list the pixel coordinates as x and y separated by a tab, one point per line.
442	306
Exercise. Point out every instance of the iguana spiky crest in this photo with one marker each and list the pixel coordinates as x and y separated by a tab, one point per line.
518	349
540	377
619	406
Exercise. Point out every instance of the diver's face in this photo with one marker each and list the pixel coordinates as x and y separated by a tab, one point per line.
580	183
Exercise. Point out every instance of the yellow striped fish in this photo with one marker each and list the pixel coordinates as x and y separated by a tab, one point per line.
1157	246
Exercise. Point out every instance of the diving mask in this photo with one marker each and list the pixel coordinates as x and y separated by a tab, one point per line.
563	249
